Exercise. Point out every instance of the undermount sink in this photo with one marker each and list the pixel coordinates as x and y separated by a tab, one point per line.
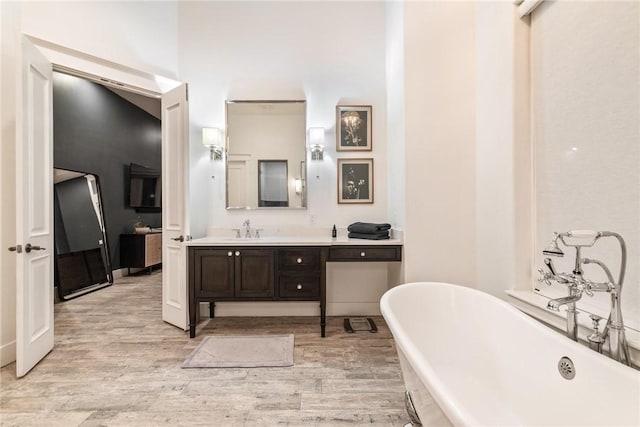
250	239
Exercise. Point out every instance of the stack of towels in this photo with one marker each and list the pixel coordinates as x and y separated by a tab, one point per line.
367	230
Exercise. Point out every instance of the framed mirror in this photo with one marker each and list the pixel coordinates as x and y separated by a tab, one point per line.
266	154
81	249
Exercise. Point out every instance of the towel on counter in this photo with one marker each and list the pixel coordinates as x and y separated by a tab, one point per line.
368	228
370	236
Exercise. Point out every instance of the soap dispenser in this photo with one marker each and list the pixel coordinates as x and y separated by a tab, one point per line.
334	232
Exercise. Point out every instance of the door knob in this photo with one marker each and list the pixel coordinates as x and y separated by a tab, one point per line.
299	260
229	253
29	247
299	286
237	253
363	254
17	248
178	239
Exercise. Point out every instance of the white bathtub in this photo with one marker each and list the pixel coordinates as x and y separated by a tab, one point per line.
470	359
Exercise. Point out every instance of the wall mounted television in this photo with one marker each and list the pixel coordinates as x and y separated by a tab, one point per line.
145	187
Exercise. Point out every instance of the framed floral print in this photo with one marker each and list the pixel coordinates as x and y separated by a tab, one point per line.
355	181
353	128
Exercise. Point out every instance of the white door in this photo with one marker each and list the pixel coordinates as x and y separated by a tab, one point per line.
34	210
236	183
175	191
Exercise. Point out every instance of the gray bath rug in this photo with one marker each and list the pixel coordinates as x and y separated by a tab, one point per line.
242	351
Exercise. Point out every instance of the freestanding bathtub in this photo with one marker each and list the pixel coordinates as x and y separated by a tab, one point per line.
471	359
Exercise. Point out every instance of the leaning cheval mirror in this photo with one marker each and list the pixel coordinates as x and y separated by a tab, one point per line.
83	263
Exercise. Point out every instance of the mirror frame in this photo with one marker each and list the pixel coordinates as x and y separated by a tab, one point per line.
62	296
303	168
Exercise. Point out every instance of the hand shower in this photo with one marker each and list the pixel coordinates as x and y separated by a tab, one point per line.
553	249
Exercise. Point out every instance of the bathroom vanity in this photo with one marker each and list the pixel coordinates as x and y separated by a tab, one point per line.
273	269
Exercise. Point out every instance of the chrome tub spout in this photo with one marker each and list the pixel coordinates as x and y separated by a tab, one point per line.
555	304
572	313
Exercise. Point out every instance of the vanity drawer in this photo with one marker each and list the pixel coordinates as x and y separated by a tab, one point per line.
303	286
365	253
295	259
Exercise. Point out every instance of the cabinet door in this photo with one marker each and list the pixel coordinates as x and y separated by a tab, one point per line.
153	249
255	273
214	273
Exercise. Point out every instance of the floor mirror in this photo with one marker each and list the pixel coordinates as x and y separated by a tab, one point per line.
83	262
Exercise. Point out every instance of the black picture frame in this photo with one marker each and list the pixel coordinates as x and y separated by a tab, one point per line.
355	181
353	128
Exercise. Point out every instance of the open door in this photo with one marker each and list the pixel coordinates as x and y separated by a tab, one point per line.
34	210
175	189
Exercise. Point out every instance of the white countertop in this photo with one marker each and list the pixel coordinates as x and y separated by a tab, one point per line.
290	241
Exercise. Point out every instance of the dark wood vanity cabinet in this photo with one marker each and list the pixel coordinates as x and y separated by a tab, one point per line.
233	273
365	253
299	273
255	274
270	273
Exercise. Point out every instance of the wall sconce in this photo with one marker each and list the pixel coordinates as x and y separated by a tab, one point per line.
316	143
212	139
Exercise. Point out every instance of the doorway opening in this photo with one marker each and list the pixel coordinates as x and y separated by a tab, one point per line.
104	132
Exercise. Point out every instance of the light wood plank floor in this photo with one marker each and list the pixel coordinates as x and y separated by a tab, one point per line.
115	363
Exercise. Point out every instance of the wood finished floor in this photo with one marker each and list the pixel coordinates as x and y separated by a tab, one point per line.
115	363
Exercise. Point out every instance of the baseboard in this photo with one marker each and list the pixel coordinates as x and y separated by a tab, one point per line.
353	309
7	353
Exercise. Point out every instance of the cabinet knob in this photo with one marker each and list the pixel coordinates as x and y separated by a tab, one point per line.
363	254
299	260
229	253
237	253
299	286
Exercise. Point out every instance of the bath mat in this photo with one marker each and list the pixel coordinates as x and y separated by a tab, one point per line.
242	351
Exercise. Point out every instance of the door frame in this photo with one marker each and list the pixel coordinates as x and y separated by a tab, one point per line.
105	72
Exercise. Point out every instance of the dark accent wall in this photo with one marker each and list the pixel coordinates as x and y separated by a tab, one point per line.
98	132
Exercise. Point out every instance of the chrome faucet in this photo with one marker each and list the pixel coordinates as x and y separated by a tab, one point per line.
555	304
577	285
247	229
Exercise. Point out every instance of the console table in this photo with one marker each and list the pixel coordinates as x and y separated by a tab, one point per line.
259	271
140	250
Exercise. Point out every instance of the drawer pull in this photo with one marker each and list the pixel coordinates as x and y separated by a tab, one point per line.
229	253
299	260
363	254
237	253
299	286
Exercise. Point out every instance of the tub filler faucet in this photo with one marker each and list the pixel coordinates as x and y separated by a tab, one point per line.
577	286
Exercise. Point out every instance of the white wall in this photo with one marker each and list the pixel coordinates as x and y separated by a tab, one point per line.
503	172
328	53
7	189
468	174
395	112
141	35
586	109
440	152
